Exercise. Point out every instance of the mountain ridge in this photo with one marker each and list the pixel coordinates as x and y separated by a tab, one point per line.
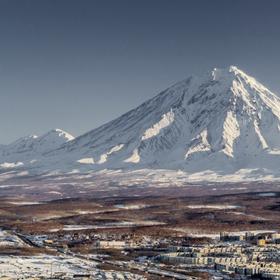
29	148
222	121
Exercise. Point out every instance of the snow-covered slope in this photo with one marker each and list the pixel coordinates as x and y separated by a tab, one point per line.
223	121
31	148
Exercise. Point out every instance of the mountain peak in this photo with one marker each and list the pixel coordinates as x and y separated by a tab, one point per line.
29	149
59	133
229	69
229	73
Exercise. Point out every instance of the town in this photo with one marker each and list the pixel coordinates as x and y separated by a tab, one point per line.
224	256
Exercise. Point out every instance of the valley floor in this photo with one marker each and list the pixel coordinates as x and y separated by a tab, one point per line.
95	226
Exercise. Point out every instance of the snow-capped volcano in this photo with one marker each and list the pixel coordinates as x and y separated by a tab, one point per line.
222	121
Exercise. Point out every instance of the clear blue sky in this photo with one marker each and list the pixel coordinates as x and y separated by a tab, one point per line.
77	64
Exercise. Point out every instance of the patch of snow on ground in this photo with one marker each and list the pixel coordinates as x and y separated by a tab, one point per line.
86	161
165	121
8	239
267	194
210	206
25	202
130	206
57	267
103	157
109	225
7	165
134	158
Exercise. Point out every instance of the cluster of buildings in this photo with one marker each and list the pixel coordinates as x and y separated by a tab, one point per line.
246	254
94	240
259	238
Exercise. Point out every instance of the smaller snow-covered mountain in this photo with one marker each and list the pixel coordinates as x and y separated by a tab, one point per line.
31	148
